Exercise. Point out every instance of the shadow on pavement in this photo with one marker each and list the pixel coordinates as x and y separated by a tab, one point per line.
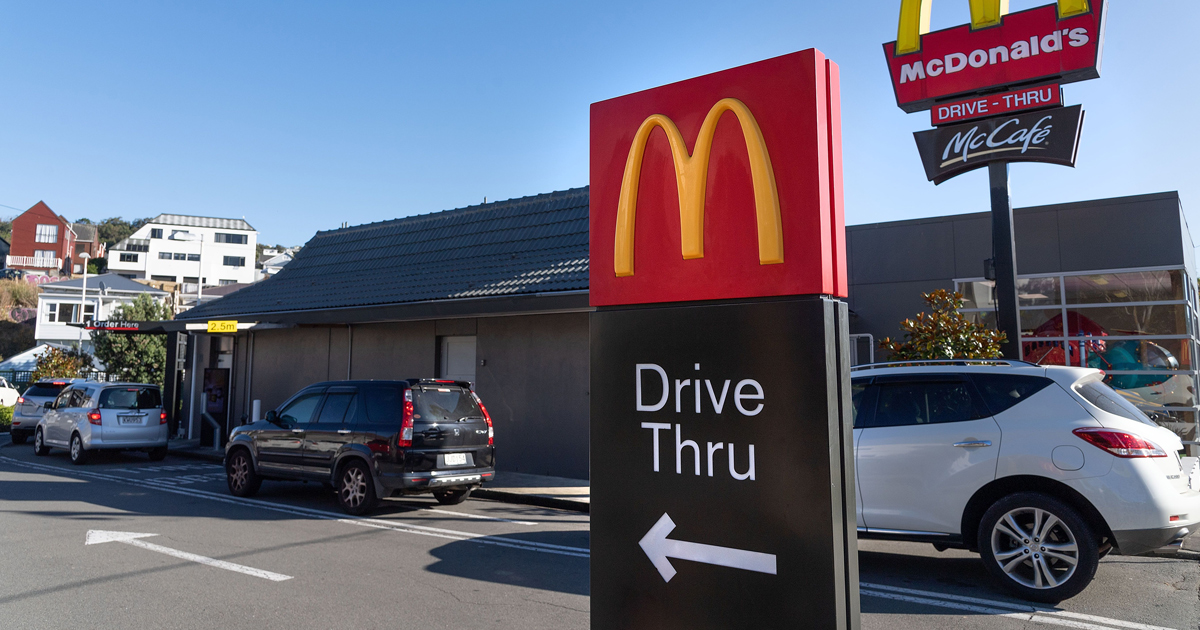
493	563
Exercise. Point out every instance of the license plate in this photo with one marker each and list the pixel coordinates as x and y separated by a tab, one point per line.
456	459
129	419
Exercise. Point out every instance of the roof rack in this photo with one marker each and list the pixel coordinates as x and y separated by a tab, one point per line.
922	363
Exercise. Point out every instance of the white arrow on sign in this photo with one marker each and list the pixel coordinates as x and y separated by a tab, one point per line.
658	548
98	536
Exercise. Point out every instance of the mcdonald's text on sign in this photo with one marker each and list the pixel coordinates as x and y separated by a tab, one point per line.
1059	42
1025	99
688	197
222	326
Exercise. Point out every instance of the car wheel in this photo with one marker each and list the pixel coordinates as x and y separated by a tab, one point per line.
39	444
78	454
17	438
158	454
1038	547
452	497
240	475
356	489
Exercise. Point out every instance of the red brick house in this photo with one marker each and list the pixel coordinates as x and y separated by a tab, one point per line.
42	241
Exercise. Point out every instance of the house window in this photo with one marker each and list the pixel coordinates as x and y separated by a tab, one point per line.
174	232
237	239
51	313
225	282
44	253
163	278
62	313
235	261
155	232
164	255
179	256
46	234
129	258
194	257
89	312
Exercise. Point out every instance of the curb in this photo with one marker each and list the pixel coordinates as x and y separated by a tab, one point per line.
532	499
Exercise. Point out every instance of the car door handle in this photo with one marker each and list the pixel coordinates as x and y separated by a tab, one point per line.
297	430
974	443
344	431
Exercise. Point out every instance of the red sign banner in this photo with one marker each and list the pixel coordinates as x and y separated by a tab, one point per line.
1030	46
1025	99
723	186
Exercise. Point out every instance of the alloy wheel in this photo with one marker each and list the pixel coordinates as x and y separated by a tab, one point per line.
37	441
1034	548
76	446
239	470
354	486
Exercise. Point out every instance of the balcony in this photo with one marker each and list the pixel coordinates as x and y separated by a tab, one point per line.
36	262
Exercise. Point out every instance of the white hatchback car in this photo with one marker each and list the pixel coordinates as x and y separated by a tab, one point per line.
1041	469
92	416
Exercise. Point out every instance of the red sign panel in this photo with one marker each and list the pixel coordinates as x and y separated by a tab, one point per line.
1039	97
1029	46
723	186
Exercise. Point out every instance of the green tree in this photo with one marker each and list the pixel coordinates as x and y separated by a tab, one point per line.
115	229
56	363
944	334
6	229
135	358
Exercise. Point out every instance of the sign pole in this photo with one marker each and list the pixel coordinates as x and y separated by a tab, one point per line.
1004	252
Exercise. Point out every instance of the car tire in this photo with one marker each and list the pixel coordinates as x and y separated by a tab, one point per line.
243	481
158	454
355	488
1013	537
17	438
452	497
39	444
79	455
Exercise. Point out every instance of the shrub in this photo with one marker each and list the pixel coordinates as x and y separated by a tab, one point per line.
945	334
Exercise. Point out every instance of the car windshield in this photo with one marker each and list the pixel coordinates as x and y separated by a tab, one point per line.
46	390
130	398
1103	397
445	403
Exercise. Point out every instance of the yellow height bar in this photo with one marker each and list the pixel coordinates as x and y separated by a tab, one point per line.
914	18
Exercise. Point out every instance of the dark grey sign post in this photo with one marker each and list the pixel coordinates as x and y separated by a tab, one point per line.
722	471
1004	257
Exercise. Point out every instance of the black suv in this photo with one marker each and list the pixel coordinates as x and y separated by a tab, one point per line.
370	439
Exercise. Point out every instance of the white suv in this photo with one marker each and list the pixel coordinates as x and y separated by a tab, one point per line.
1043	470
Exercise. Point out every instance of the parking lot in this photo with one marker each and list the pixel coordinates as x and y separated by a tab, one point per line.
288	557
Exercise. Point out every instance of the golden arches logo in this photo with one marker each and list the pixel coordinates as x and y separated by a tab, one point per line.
691	178
914	18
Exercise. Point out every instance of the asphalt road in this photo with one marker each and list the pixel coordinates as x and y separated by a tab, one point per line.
294	560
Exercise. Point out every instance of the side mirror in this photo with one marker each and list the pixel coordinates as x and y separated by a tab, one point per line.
272	417
49	404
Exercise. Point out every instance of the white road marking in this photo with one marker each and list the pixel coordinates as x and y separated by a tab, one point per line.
478	516
407	528
1024	612
99	536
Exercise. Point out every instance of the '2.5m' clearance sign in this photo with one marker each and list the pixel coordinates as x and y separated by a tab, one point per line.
1059	42
723	186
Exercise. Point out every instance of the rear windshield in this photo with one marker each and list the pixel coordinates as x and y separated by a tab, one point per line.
130	398
48	390
444	403
1107	399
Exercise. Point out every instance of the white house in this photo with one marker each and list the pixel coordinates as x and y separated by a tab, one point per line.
186	249
63	303
273	261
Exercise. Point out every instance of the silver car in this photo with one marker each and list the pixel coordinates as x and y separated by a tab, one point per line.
93	416
31	404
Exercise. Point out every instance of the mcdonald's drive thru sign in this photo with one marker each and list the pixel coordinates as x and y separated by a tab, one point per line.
722	186
1059	43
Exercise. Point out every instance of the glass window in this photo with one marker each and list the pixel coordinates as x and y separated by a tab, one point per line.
164	255
925	402
1003	391
862	398
129	257
155	232
46	234
1103	397
68	313
52	312
1038	291
44	253
1156	319
63	400
235	261
193	257
338	406
130	398
226	282
300	411
163	278
89	312
239	239
978	294
444	404
1136	286
1048	352
1042	322
180	256
984	318
45	389
384	404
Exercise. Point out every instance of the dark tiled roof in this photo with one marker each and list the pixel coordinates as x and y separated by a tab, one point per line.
529	245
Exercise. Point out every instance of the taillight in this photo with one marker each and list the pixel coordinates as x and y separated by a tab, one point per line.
1120	443
94	416
406	425
486	416
162	417
21	399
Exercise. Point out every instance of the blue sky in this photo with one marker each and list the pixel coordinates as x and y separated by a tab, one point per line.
301	115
